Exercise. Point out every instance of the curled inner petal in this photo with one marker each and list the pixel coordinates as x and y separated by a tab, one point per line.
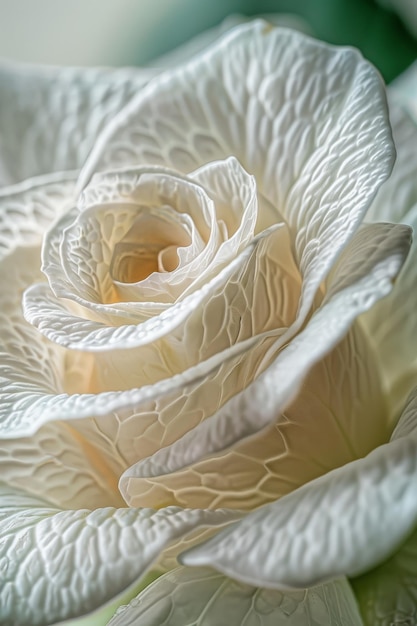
151	245
141	240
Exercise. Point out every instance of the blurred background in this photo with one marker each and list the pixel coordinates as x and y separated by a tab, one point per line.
136	32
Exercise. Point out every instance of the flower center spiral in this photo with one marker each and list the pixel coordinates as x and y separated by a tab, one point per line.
151	245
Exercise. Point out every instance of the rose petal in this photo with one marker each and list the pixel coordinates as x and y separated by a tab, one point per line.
24	397
392	325
203	597
363	274
318	432
309	121
403	90
50	117
25	359
22	402
407	425
392	329
340	524
61	465
388	593
244	299
398	194
27	209
223	349
200	42
46	575
234	194
79	250
149	192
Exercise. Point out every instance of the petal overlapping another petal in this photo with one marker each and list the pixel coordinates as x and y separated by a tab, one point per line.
391	326
46	575
203	597
213	355
343	523
364	273
50	117
262	94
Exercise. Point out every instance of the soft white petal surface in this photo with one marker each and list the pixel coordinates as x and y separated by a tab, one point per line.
392	325
218	362
398	194
363	274
27	405
403	90
46	575
26	358
27	209
388	594
242	300
62	465
161	200
319	431
309	121
202	597
50	117
340	524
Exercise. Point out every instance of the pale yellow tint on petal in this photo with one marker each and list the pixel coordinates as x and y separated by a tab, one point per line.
338	416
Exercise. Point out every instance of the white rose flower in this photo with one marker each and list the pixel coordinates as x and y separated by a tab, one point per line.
189	356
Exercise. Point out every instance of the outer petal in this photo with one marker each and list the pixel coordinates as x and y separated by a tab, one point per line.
309	121
404	90
60	464
45	575
392	325
340	524
201	597
399	193
388	594
392	329
27	209
50	117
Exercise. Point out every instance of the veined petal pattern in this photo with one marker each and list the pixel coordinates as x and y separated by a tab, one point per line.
262	94
46	575
50	116
202	597
344	522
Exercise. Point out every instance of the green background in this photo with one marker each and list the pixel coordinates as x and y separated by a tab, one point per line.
376	31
